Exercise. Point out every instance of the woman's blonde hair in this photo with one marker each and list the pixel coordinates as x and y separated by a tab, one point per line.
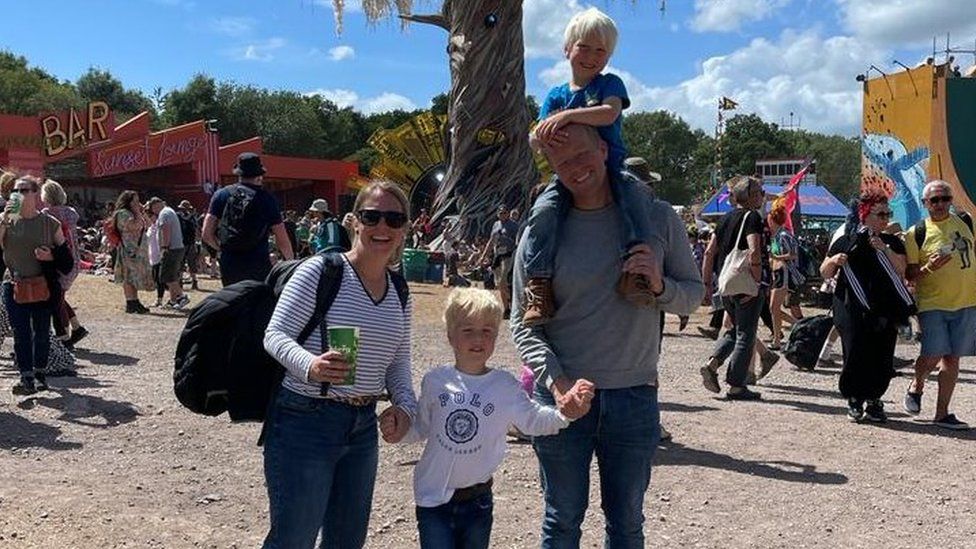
52	193
467	303
7	180
587	23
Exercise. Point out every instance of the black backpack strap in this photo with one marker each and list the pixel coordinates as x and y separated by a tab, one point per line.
967	219
325	294
402	290
918	232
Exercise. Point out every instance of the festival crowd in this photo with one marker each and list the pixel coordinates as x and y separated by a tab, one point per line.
597	253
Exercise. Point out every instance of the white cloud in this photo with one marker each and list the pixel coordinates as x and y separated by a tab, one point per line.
769	78
384	102
340	53
897	23
232	26
543	22
259	51
730	15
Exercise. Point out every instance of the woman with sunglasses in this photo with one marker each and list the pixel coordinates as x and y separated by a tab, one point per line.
35	253
870	302
321	451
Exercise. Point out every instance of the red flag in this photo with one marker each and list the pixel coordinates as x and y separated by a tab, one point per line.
790	198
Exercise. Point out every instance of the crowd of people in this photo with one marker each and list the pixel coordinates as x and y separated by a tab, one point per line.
583	279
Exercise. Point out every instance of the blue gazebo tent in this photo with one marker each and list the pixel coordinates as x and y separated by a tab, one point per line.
815	202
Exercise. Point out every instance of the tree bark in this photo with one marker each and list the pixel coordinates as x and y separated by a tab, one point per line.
490	162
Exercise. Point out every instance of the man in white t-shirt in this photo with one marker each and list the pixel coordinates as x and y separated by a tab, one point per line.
171	246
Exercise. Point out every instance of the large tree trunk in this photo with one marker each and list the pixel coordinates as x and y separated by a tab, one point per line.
490	162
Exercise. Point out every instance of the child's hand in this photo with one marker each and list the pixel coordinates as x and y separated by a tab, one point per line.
548	130
584	388
394	424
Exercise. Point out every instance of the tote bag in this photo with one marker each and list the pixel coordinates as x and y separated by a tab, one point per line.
735	278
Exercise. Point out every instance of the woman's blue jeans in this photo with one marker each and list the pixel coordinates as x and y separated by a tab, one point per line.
463	525
31	324
320	460
622	429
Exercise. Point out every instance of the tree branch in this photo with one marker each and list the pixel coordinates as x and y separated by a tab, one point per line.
438	20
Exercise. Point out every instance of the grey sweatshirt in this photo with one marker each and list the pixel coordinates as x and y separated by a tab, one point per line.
596	334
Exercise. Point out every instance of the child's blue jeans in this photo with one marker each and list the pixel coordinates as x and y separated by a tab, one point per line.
461	525
550	208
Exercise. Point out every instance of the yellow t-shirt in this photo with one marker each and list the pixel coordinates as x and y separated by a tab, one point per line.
952	287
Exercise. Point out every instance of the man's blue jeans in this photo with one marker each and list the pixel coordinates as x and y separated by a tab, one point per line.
320	460
465	525
622	428
31	324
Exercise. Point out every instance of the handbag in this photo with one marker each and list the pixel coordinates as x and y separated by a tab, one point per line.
735	278
33	289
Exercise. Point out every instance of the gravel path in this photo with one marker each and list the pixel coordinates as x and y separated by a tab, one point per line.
110	459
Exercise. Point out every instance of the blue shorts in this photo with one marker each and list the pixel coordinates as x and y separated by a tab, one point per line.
948	333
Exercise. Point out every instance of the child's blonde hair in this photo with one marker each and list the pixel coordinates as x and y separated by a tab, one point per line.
465	303
587	23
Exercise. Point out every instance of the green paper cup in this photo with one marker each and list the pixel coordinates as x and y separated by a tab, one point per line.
345	339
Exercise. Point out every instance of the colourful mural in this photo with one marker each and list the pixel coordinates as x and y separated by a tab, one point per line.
919	125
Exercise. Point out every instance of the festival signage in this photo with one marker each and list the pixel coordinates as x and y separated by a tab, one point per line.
182	145
70	132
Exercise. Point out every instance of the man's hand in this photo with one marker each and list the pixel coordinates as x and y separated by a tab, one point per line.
937	262
573	399
330	367
641	261
394	424
43	253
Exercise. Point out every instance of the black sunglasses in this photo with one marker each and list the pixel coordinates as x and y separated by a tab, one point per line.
371	218
940	199
883	215
25	190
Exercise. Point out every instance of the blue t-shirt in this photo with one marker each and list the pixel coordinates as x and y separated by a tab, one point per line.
595	93
265	215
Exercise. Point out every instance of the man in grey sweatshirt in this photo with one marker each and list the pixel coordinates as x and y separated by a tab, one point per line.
596	334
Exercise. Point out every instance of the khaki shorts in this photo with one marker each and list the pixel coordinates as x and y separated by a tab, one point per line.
503	269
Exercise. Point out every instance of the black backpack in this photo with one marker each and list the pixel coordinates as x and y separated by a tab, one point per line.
237	230
807	339
919	228
189	229
220	363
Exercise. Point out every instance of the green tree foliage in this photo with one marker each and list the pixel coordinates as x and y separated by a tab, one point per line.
195	101
748	138
668	144
100	85
29	91
439	104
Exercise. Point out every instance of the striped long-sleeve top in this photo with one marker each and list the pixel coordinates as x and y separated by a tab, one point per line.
383	360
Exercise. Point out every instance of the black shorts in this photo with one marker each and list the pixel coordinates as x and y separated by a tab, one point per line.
192	258
171	266
779	279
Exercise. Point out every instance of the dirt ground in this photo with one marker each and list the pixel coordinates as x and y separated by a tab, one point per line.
111	459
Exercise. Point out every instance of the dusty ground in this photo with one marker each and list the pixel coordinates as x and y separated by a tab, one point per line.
110	459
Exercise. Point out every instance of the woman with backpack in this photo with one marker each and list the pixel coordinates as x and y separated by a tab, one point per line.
132	268
321	447
870	301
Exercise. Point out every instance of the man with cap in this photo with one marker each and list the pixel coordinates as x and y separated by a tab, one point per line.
328	235
188	223
172	249
502	245
239	220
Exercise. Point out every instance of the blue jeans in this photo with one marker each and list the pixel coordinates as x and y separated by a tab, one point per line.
465	525
622	428
31	324
739	340
320	460
550	208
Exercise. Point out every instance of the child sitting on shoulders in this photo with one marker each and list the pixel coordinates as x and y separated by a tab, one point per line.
595	99
464	414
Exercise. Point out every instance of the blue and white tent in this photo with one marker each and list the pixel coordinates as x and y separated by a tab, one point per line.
815	202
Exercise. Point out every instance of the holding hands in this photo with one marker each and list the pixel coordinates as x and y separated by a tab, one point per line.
640	260
394	424
573	400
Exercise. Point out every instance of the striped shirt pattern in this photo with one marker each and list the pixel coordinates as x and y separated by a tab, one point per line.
384	336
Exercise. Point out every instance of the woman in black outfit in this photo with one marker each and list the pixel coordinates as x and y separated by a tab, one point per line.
870	301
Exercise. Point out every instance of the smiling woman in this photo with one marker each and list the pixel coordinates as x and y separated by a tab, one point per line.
321	443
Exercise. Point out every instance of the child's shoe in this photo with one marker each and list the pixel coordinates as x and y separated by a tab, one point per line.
538	302
636	289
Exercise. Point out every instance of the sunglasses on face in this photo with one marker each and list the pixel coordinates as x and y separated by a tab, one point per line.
371	218
883	215
940	199
24	190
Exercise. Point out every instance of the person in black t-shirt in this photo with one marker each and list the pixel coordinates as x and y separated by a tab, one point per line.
738	342
263	216
869	303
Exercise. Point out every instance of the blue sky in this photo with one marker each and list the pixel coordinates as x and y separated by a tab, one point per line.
772	56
